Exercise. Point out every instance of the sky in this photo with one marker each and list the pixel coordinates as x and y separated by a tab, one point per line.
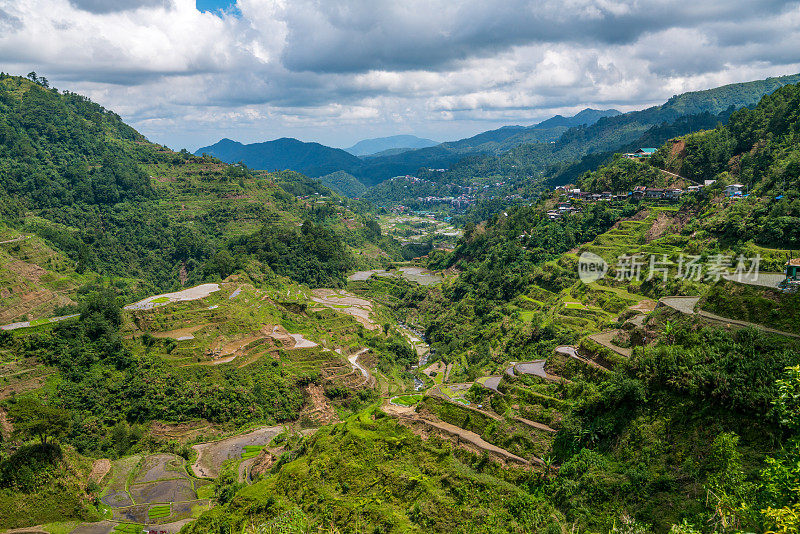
187	74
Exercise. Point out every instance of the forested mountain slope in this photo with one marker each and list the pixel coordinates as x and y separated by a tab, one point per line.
368	147
74	174
312	159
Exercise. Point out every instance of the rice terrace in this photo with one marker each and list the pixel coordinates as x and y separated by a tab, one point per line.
388	268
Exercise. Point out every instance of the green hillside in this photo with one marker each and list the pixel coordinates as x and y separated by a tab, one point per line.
312	159
343	183
118	205
291	374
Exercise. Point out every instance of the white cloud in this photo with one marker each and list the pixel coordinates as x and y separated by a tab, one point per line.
336	72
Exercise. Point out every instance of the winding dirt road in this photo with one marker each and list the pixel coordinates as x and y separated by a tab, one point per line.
368	378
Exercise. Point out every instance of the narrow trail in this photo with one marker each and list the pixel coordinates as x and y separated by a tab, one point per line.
572	352
726	320
368	378
686	305
467	437
15	240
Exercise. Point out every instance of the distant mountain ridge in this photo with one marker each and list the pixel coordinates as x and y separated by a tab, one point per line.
369	147
584	117
553	142
312	159
391	158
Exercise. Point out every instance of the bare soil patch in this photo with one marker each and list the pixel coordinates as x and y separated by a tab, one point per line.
287	340
663	223
319	410
28	271
100	468
644	306
21	386
183	432
6	428
262	463
210	456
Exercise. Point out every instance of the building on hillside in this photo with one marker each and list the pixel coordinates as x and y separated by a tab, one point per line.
607	195
638	192
640	153
734	190
673	193
707	183
793	270
654	192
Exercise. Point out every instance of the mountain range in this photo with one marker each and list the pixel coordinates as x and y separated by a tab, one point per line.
388	156
379	145
555	141
312	159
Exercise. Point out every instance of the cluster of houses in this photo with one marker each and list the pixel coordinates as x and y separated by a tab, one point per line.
638	193
461	201
561	209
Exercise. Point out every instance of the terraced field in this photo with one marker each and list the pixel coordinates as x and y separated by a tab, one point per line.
152	489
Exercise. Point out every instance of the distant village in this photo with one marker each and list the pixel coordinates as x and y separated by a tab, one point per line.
638	192
467	194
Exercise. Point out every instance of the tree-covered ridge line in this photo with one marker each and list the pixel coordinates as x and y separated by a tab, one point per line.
121	206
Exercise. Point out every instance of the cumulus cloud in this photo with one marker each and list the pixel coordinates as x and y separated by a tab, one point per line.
112	6
338	71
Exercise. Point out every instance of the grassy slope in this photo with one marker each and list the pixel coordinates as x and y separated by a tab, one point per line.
62	496
34	278
369	473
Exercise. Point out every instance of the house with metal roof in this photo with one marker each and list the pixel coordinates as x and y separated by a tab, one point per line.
734	190
793	270
641	153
